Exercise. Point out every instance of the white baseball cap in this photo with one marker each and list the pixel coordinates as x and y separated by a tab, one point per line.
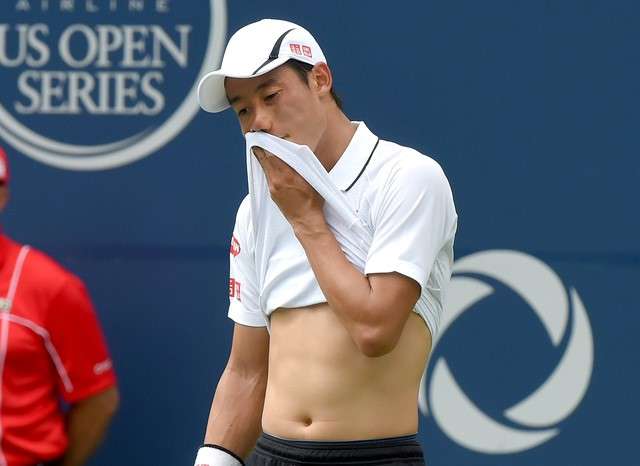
255	50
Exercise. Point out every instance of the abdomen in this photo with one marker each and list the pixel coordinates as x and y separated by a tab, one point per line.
322	388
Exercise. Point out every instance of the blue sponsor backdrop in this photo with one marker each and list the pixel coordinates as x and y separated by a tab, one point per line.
530	107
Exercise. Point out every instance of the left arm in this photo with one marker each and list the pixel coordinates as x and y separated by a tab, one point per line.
372	308
87	422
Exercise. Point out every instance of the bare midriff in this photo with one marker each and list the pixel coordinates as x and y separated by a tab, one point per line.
321	387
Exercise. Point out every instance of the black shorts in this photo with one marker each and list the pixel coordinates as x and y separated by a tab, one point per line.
273	451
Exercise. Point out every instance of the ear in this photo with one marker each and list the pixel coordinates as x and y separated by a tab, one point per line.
321	79
4	196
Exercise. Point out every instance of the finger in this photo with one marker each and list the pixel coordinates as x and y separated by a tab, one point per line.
262	152
265	157
269	162
258	152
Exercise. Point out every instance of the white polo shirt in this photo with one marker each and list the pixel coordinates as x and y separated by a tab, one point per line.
403	198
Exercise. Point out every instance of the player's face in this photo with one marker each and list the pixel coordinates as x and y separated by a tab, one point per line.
281	104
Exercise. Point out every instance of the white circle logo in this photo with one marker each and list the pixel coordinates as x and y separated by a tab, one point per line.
119	62
539	413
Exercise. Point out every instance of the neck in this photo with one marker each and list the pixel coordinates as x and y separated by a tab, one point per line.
335	139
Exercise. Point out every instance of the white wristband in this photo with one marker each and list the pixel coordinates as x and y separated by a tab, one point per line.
215	455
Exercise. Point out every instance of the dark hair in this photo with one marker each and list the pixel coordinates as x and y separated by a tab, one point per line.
302	68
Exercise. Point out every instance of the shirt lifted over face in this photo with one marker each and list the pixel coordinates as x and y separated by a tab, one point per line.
403	201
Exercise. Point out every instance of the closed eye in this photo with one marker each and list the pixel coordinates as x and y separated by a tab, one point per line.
271	96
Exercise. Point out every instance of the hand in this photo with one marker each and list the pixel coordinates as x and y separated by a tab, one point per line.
297	200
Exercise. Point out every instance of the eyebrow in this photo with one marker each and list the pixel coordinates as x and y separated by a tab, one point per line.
262	85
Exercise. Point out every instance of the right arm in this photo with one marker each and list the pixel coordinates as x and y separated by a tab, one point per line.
236	411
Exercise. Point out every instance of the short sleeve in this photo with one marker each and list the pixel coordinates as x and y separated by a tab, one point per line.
244	298
413	218
84	365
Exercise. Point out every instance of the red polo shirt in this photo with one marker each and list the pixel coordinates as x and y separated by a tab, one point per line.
51	347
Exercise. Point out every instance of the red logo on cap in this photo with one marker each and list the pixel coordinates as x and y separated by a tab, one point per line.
295	48
306	50
235	247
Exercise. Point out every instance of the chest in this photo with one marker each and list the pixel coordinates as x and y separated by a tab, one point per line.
24	345
23	338
363	198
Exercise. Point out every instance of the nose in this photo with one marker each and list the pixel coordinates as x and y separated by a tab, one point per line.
262	120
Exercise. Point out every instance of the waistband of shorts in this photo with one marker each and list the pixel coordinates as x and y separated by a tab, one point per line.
405	447
348	444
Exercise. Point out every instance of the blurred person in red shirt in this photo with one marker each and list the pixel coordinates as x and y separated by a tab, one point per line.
51	351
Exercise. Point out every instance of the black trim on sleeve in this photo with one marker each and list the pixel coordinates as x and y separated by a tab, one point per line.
365	166
229	452
274	51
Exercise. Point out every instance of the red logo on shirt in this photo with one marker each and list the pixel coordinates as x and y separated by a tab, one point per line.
235	247
102	367
234	289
